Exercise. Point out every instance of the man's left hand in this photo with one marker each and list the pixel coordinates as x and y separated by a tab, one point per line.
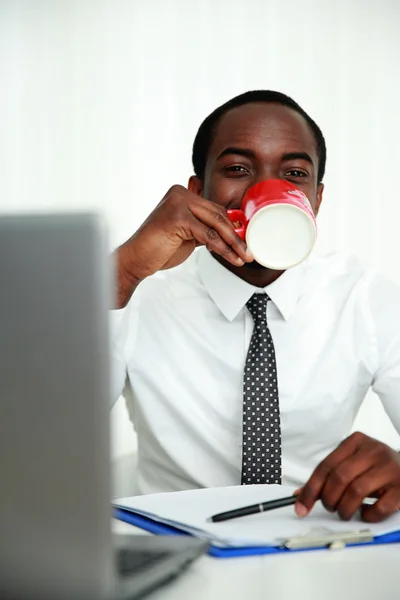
360	467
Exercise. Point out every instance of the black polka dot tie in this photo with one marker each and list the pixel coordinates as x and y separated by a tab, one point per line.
261	460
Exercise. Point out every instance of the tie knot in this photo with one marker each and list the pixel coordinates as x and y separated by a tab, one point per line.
257	306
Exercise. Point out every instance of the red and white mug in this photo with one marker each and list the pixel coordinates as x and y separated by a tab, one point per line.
277	222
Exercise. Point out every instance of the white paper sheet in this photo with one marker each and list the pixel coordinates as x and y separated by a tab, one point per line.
190	510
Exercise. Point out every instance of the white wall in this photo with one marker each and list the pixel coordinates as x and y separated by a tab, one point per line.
100	102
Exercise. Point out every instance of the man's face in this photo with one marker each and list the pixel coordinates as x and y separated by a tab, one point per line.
255	142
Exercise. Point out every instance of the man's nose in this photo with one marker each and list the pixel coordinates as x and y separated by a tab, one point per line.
268	172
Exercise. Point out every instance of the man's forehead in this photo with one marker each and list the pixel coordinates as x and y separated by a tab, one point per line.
262	122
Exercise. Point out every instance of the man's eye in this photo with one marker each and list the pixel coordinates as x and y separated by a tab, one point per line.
236	170
295	173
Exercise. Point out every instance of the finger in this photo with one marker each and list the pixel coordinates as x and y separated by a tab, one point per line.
210	238
312	489
343	475
387	504
215	217
361	487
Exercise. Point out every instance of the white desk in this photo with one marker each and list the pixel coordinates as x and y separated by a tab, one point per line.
370	573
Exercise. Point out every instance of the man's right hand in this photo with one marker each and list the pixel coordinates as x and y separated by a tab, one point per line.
181	222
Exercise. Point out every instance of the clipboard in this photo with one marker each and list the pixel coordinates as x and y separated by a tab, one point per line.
331	541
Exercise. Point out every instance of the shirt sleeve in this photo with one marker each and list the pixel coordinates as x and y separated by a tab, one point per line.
384	304
123	325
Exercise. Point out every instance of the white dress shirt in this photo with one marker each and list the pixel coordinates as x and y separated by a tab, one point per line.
180	347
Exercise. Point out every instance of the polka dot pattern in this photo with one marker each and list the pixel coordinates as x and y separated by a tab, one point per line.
261	458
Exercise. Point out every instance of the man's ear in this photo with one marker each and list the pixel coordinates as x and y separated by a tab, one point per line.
195	185
320	191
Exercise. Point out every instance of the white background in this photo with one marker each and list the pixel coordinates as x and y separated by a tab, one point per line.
100	102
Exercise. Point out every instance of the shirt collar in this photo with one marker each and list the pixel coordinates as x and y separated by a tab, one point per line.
230	293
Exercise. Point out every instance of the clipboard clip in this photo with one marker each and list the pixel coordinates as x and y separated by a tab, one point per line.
331	540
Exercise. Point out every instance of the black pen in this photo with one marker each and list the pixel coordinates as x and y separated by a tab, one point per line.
253	509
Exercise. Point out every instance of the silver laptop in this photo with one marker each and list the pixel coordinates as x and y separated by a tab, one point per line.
55	499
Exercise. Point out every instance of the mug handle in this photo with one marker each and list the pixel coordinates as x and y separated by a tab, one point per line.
238	215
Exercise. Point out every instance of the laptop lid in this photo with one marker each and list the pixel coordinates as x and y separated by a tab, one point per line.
54	394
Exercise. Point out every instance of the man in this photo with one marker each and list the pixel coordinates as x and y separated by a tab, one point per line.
182	341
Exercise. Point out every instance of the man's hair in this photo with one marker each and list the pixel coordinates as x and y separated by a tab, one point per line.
205	134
